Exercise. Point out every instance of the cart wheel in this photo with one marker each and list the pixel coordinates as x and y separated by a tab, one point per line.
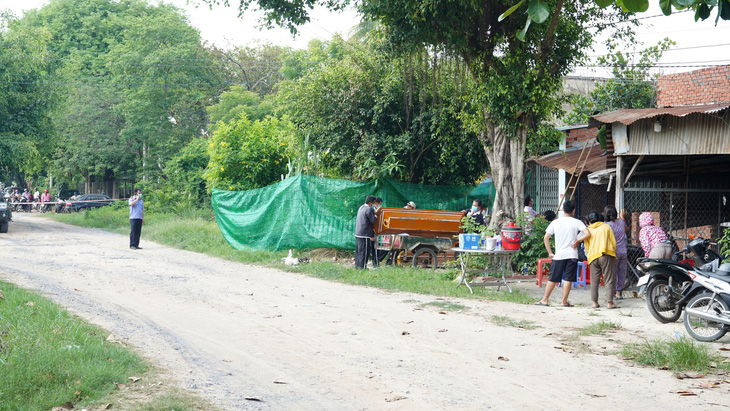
425	257
393	257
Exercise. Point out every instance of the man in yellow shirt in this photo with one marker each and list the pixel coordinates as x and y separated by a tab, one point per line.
600	245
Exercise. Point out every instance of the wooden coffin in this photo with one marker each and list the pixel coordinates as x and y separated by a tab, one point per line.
424	223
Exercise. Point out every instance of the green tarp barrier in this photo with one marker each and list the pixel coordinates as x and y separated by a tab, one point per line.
313	212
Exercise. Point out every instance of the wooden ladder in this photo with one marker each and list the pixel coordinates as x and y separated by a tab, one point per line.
575	175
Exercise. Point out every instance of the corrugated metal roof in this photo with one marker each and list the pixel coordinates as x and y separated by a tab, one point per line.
571	127
628	116
568	160
694	134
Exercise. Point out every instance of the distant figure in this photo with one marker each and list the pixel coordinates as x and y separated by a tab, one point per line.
378	203
477	212
549	215
653	239
410	205
530	214
136	218
619	227
364	233
373	251
600	244
564	265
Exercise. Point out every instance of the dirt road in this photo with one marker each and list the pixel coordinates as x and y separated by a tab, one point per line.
229	331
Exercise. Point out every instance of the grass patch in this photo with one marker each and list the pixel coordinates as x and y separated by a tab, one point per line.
49	358
445	306
505	321
678	355
175	400
599	328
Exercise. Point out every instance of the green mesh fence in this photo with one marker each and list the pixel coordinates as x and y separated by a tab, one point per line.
312	212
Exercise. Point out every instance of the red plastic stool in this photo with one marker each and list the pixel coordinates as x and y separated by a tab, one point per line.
540	262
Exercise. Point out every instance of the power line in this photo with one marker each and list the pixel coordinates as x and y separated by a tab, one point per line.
668	50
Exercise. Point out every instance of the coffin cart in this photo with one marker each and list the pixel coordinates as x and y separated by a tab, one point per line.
422	238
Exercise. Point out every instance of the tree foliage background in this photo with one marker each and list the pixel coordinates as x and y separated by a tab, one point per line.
433	93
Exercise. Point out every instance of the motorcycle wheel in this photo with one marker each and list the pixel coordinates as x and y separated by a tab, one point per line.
661	303
699	328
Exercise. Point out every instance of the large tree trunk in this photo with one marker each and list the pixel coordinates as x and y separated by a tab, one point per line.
506	160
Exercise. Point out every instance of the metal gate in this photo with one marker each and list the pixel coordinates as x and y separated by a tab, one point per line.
696	211
542	186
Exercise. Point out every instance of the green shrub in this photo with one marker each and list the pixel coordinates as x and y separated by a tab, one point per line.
532	247
249	154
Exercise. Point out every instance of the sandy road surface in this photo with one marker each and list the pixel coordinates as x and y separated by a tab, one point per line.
230	331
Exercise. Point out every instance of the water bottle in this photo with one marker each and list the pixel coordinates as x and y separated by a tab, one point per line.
525	271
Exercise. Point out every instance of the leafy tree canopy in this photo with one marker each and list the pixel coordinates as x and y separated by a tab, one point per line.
26	105
372	113
632	84
136	78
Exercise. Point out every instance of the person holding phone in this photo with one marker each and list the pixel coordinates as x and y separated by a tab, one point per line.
136	218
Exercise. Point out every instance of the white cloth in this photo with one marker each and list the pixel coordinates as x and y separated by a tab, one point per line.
565	230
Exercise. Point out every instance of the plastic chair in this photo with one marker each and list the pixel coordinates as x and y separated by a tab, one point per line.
540	262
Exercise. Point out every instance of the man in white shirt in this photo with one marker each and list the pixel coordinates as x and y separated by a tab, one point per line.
564	266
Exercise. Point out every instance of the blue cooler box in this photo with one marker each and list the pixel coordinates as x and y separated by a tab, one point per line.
469	241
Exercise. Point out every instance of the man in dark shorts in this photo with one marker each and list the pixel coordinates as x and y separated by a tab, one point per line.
564	267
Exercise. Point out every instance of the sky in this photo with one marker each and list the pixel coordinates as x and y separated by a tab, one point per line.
699	44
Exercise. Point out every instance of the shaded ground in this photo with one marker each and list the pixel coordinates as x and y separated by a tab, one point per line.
247	337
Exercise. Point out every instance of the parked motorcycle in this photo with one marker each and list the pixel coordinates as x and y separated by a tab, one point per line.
707	316
668	282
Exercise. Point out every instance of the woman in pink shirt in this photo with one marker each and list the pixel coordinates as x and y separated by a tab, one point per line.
653	239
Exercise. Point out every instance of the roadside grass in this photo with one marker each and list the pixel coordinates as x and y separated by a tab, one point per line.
505	321
599	328
196	230
191	229
678	355
445	306
49	358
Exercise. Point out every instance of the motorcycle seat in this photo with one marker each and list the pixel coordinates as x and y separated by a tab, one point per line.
724	270
672	262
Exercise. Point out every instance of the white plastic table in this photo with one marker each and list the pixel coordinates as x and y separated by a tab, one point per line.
498	262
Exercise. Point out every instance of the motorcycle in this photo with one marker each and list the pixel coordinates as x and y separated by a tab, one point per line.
707	316
668	283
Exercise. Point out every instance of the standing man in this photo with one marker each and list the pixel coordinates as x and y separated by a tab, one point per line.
364	233
564	266
136	218
600	245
